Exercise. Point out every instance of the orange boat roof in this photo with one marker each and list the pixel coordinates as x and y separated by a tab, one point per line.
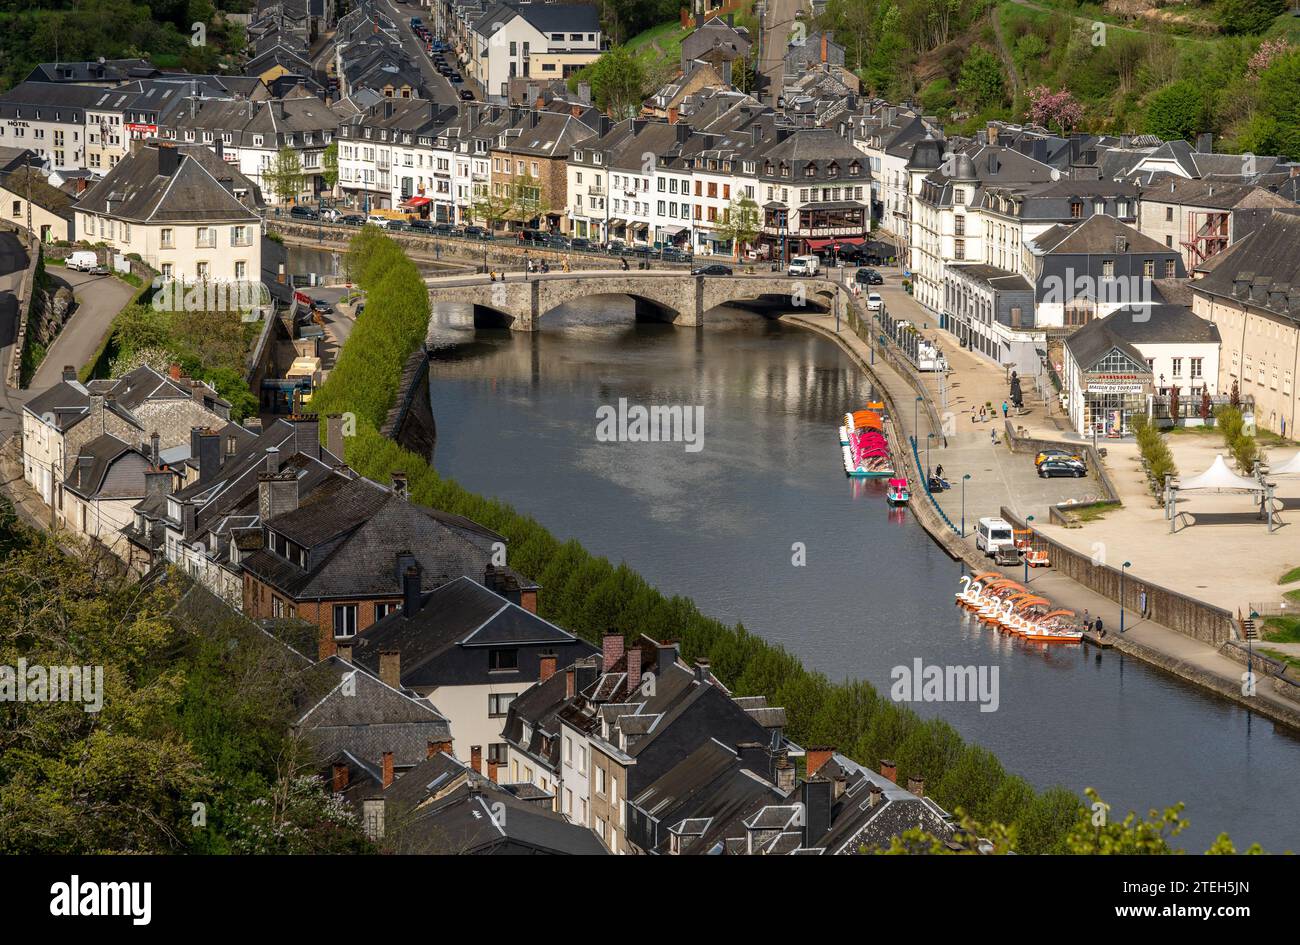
986	574
1059	613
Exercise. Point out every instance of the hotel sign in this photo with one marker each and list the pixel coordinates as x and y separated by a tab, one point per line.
139	129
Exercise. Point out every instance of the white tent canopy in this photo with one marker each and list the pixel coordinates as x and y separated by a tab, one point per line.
1219	476
1292	465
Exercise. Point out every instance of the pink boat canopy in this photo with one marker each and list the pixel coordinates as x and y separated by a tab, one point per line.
898	483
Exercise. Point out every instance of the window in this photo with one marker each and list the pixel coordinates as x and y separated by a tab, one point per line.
1169	241
503	659
168	238
1196	368
498	752
1169	214
1170	269
345	620
499	704
1149	268
383	610
1076	209
1108	268
959	249
601	787
1178	367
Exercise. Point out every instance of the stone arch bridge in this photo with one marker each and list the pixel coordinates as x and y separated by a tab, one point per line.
659	295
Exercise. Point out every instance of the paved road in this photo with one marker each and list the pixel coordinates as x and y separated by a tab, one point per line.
99	299
13	260
441	89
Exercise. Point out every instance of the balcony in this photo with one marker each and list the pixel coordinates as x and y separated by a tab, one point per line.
596	190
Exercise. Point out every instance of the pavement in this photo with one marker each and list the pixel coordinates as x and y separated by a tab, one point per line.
442	90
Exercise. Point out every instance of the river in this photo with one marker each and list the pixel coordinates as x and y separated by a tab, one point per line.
724	525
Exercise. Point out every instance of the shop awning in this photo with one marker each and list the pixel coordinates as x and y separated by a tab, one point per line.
618	222
673	230
416	201
837	242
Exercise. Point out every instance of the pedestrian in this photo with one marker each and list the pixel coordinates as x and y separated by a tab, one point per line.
1100	628
1142	602
1004	410
993	436
938	471
1087	620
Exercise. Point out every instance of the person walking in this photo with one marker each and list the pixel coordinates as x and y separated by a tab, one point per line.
1101	629
1087	620
1004	410
1142	602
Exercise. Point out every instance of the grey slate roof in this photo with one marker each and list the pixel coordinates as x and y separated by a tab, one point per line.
200	190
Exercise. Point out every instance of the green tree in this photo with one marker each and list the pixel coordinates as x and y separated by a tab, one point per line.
1278	101
739	224
285	177
1176	111
330	164
617	82
1248	16
981	83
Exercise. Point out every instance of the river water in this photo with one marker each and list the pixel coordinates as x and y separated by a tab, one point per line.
724	525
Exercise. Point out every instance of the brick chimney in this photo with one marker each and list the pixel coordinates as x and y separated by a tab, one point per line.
343	651
889	769
401	486
672	115
528	599
492	769
546	668
916	785
825	43
816	757
785	776
633	668
476	758
570	684
390	667
612	644
438	748
388	768
340	777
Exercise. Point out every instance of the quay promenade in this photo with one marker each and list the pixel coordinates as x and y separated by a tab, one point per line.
1001	479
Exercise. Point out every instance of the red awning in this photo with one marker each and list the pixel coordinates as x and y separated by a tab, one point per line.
416	201
819	244
841	241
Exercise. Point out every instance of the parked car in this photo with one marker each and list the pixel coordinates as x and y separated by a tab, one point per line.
1062	467
868	277
456	77
673	254
353	219
580	242
304	213
713	269
557	241
443	229
1044	455
99	271
874	302
380	221
83	260
615	247
805	266
424	226
477	233
320	305
466	95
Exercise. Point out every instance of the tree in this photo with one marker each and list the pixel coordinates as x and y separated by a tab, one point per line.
739	224
330	161
617	82
980	83
1176	111
284	177
1240	17
1279	106
1054	108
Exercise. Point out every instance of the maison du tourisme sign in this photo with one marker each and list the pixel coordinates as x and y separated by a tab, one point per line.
1115	384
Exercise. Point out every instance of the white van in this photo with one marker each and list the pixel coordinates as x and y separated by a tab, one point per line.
83	260
376	220
994	534
805	266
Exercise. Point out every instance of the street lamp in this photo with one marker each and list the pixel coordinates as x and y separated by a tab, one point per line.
1123	569
963	504
916	418
1028	519
928	438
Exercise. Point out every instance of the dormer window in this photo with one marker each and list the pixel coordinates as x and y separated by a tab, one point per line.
832	169
855	169
810	170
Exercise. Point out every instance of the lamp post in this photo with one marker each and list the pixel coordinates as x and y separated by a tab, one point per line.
963	504
1028	519
916	419
928	438
1123	569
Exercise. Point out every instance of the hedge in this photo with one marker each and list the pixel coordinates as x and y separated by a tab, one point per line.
591	596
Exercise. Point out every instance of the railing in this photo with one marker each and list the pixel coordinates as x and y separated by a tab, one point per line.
925	484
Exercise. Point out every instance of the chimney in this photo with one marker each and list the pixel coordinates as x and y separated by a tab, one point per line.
232	444
372	816
400	485
340	777
306	434
875	796
277	493
546	667
993	134
334	434
69	372
785	773
438	748
889	770
155	454
701	670
157	481
570	684
253	425
916	785
825	42
672	115
168	159
188	524
344	651
528	599
390	667
272	460
584	93
612	645
633	668
411	596
280	275
1205	143
492	770
476	758
388	768
818	800
665	656
205	449
814	758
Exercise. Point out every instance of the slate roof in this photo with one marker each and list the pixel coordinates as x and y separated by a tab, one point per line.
1125	328
1096	236
65	403
1215	194
200	190
1262	270
116	470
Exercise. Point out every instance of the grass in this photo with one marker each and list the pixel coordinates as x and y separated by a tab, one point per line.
1291	661
1293	596
1282	629
669	36
1290	576
1094	512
